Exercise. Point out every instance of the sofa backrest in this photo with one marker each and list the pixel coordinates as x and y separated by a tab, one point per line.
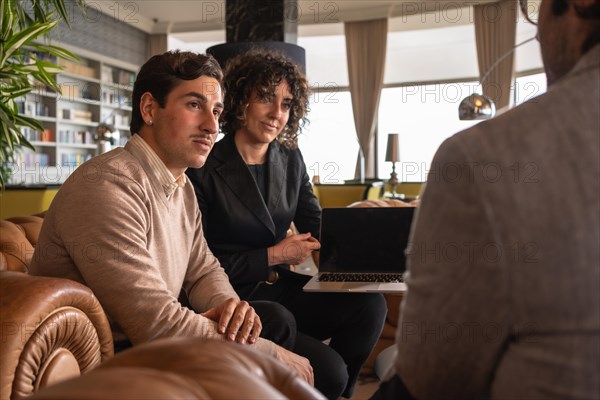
18	237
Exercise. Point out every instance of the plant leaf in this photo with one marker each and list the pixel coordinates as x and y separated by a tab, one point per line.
15	42
14	92
58	52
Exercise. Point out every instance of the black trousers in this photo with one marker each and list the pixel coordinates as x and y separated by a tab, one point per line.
279	326
353	322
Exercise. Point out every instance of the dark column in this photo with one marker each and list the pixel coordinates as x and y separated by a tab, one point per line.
261	20
270	24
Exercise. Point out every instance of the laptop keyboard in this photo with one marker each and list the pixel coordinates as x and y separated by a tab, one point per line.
345	277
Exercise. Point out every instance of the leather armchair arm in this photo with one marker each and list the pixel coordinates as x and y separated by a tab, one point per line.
187	368
52	329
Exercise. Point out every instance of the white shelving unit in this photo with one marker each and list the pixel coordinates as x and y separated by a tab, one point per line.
95	91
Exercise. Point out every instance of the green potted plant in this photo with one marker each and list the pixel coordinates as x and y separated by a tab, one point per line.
23	37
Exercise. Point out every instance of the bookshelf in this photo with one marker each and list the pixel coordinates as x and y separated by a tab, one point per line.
95	91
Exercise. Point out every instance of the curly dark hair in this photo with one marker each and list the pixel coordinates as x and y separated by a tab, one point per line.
263	71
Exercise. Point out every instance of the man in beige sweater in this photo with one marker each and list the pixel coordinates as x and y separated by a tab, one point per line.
127	225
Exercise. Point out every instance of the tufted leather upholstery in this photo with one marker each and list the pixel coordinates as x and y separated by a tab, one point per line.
186	368
19	236
388	335
54	330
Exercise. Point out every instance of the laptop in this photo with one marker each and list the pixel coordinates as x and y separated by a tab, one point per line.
362	250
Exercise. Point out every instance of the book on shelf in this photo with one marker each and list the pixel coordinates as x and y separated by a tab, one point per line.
33	135
117	119
76	115
115	97
106	74
70	136
69	90
77	68
73	159
31	160
126	78
117	76
33	108
122	120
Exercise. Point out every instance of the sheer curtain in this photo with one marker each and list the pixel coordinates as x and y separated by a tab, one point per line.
495	31
366	47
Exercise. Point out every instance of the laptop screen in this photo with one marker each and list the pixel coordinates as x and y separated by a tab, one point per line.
364	239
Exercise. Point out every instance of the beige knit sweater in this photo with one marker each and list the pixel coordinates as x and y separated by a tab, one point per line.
112	228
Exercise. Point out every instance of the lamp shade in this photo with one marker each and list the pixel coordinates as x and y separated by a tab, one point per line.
393	148
475	107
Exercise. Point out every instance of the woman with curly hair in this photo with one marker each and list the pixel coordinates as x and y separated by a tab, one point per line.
252	187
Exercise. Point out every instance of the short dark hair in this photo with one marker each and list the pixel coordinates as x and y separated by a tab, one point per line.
163	72
559	7
263	71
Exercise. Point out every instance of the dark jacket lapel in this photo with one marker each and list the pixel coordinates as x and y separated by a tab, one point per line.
277	175
238	178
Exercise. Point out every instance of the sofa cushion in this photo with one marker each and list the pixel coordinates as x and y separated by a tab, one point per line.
18	236
31	225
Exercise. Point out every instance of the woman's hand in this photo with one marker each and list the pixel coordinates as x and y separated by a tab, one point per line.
293	249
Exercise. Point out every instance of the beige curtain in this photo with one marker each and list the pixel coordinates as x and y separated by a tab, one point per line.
495	31
157	44
366	47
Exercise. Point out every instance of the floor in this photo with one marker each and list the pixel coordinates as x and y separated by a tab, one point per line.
365	387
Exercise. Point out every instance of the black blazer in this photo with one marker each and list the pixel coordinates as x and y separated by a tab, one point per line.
238	225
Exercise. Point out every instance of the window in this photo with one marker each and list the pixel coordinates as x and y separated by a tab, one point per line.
528	87
329	144
423	113
424	116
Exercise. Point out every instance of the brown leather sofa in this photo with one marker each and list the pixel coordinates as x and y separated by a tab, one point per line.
388	335
52	329
186	368
55	330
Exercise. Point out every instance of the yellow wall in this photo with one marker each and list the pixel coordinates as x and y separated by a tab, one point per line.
17	202
344	194
331	196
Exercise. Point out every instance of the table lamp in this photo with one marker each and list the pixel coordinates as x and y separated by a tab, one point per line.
392	154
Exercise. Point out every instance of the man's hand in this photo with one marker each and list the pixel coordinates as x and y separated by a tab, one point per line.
298	363
293	249
237	321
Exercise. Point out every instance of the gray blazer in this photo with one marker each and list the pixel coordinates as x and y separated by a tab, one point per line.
504	280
